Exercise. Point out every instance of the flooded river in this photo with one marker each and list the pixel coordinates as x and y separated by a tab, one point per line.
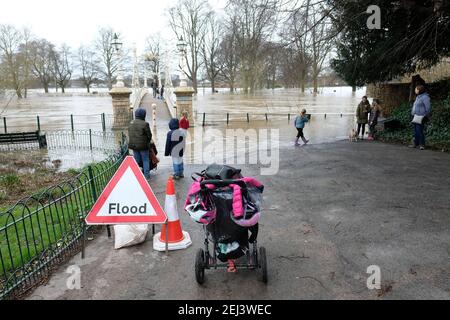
280	105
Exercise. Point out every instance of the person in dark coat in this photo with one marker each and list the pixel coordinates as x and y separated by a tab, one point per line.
139	140
373	118
362	113
154	87
175	144
162	92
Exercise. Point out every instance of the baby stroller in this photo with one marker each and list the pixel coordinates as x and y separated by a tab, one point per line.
227	205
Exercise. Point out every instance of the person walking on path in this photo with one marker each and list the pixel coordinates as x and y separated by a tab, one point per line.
362	113
175	144
154	86
184	122
300	121
373	118
420	111
161	94
139	140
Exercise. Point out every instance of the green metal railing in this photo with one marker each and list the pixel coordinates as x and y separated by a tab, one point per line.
41	231
67	139
98	122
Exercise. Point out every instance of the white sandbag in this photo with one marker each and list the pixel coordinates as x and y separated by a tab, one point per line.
129	234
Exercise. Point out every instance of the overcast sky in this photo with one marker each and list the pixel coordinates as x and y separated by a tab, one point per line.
77	21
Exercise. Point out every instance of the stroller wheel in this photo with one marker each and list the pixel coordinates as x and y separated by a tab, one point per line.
200	266
263	263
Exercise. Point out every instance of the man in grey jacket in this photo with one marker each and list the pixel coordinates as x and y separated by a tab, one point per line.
139	141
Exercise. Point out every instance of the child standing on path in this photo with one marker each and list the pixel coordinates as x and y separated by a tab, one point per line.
175	144
300	121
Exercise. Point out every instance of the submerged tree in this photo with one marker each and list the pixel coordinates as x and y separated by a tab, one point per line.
63	67
42	61
87	64
14	58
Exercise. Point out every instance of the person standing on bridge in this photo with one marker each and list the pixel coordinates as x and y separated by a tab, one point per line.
154	86
139	141
161	94
362	113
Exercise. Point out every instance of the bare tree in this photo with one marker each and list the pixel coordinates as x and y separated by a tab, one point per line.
273	56
309	31
211	48
154	48
255	21
88	66
62	67
320	43
24	58
228	54
295	36
188	20
42	61
11	40
109	63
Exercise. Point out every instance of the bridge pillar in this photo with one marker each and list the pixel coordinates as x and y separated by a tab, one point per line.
184	101
121	107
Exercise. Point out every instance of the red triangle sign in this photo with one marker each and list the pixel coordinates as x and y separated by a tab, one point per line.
127	199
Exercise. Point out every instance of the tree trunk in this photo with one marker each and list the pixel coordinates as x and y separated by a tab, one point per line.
302	80
46	88
63	89
194	82
213	86
88	87
353	88
315	80
19	93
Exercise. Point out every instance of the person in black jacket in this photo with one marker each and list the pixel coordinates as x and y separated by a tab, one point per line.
162	92
373	118
139	141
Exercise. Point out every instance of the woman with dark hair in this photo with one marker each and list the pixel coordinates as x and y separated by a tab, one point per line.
420	111
373	118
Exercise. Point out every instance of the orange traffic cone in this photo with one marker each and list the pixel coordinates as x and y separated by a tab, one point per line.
177	238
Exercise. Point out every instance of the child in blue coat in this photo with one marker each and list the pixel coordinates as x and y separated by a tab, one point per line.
300	121
175	144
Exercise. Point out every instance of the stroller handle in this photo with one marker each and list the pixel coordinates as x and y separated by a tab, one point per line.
223	183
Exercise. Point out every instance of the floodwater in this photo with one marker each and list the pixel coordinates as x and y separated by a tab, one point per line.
55	110
332	117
